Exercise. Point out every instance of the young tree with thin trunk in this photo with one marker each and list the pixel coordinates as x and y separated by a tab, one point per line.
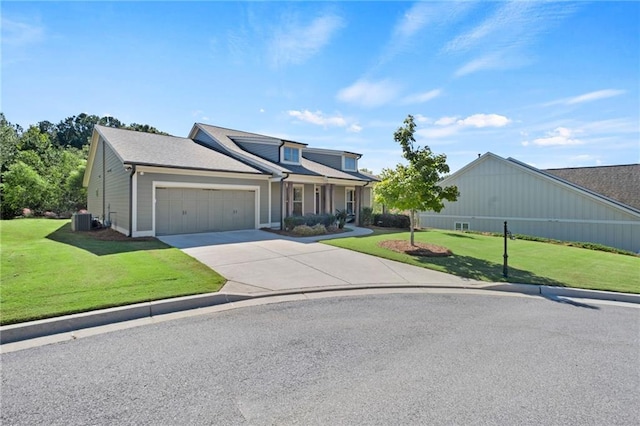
414	187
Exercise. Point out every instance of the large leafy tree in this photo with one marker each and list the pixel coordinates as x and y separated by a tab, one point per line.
414	187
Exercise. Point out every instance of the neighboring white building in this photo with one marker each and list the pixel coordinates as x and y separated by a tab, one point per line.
593	204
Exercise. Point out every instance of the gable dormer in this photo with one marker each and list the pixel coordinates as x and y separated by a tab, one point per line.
291	152
350	162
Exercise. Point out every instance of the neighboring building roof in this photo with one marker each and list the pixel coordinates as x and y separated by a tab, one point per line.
549	175
620	183
168	151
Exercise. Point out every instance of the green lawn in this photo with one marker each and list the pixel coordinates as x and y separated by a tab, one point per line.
47	270
480	257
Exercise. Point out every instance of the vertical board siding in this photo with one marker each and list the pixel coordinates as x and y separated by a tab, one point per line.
145	193
340	200
309	198
266	151
276	203
94	189
495	190
334	161
116	191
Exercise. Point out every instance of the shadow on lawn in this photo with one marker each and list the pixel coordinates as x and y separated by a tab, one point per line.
91	242
479	269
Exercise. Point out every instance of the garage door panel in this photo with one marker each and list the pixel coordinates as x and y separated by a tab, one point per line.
191	210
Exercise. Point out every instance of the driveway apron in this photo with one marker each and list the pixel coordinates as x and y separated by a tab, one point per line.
255	261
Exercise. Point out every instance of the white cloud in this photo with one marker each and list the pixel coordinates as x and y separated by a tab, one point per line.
294	43
446	121
320	119
354	128
369	94
437	132
587	97
561	136
417	17
450	125
484	120
419	98
593	96
422	119
20	34
499	40
420	17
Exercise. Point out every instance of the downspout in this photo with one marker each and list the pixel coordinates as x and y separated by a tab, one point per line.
282	200
281	187
104	180
131	174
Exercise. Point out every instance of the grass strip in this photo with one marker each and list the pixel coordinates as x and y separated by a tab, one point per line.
47	270
480	257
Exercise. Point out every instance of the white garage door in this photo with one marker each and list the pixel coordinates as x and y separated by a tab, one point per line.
191	210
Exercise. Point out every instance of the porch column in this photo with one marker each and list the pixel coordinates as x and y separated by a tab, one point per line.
289	199
332	198
356	203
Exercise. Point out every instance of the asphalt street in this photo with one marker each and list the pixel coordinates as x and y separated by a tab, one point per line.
377	359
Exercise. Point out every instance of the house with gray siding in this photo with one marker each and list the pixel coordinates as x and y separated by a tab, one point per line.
216	179
594	204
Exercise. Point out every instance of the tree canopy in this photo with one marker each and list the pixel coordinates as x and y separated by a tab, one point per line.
42	168
414	187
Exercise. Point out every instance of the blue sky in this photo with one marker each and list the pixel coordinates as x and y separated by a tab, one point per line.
550	84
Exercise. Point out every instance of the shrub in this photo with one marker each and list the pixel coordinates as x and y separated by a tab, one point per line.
392	220
366	216
309	219
319	229
341	215
305	231
293	221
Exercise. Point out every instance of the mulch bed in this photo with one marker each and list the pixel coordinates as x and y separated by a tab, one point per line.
419	249
291	234
108	234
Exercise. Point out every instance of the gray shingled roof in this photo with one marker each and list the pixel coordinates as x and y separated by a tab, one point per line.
306	167
169	151
620	183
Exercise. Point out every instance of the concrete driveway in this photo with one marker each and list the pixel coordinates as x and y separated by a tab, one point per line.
255	261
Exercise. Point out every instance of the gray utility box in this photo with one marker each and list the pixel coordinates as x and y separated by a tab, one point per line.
81	222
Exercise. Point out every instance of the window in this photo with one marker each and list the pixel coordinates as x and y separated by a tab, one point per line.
350	164
296	203
350	202
291	155
462	226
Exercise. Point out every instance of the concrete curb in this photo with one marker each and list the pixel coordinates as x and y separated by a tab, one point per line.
69	323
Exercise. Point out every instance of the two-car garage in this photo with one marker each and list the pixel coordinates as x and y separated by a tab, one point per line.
186	210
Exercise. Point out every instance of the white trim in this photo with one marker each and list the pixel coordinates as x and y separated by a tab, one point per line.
283	161
188	185
346	190
275	225
269	201
120	229
187	172
143	234
455	226
265	140
533	219
134	204
301	186
263	225
344	167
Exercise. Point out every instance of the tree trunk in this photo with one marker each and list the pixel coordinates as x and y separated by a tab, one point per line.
411	221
